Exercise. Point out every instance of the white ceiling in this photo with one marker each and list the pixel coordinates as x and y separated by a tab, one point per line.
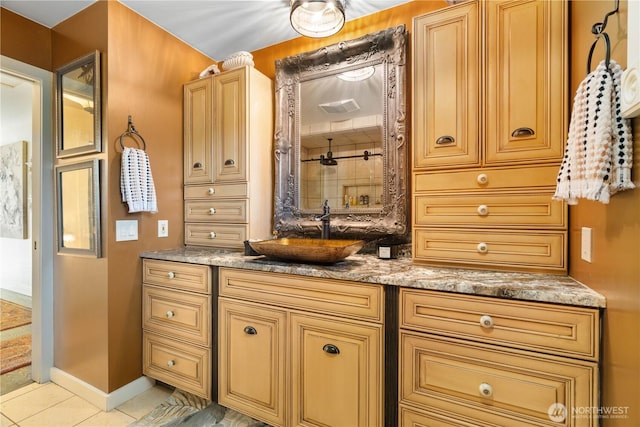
217	28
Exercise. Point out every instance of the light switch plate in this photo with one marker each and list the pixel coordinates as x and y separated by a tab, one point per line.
163	228
585	248
126	230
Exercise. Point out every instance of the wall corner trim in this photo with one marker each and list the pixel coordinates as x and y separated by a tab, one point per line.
104	401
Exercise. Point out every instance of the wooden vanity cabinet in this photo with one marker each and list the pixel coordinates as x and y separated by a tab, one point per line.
467	360
490	120
228	129
300	350
177	325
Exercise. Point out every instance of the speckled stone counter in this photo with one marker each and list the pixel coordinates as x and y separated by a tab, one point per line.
402	272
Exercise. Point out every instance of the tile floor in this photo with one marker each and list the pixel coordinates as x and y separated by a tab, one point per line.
49	405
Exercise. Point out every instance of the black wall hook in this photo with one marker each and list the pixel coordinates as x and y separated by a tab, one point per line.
598	30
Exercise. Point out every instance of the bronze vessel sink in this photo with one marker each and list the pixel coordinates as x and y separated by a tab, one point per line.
320	251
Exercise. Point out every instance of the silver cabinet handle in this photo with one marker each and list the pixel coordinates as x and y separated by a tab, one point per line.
522	132
171	363
212	211
486	321
212	235
485	390
483	210
171	275
211	191
447	139
170	314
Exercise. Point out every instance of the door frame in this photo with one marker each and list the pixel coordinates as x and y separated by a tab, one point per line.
43	225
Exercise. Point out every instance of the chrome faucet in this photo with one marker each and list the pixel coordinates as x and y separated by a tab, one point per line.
326	220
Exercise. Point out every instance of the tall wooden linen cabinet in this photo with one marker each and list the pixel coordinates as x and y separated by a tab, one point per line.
489	124
228	172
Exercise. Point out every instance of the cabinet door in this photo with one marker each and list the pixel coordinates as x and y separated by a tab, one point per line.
337	375
526	80
445	117
197	132
230	125
252	360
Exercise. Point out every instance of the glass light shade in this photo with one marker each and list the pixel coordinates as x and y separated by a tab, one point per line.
317	18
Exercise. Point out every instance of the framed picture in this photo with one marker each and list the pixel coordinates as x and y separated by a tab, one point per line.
78	107
78	208
13	187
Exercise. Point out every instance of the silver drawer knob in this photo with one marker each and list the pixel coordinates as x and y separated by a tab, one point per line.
211	190
171	363
212	235
482	247
485	390
212	211
483	210
482	179
170	314
171	275
486	321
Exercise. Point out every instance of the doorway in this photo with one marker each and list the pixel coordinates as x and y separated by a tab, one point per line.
26	238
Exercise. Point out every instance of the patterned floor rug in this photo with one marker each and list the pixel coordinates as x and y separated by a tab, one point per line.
13	315
16	353
185	409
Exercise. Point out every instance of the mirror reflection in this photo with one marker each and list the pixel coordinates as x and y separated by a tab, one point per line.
78	107
341	132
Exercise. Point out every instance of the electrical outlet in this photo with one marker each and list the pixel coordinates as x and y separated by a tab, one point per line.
585	248
163	228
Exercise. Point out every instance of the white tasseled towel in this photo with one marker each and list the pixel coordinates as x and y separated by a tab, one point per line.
599	153
136	182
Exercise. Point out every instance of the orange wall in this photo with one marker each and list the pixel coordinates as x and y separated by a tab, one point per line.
24	40
80	284
97	310
615	270
147	68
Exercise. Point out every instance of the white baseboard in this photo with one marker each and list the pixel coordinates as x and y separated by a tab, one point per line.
104	401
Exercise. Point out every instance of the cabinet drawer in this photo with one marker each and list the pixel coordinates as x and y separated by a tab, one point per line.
183	315
555	329
184	366
490	210
487	179
491	248
493	385
412	417
214	191
234	211
177	275
216	235
333	297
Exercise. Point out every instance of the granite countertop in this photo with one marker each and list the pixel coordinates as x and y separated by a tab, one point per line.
402	272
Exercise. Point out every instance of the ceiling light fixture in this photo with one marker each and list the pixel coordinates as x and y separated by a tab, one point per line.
357	75
317	18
